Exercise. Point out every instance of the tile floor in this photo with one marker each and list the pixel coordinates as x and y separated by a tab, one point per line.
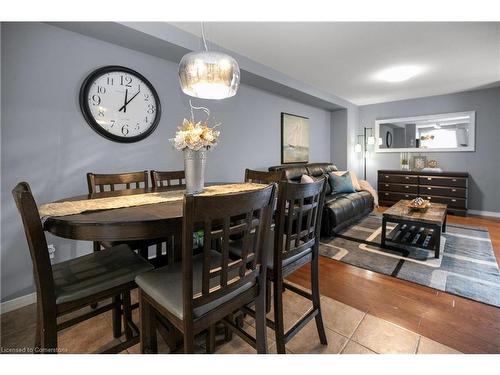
349	331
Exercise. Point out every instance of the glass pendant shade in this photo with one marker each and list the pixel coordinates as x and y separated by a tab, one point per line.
209	75
357	148
371	140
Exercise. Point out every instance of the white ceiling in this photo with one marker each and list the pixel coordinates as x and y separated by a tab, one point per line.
344	58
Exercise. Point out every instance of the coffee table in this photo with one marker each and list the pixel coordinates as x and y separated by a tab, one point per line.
414	228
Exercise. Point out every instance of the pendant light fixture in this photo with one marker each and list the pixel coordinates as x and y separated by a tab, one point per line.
209	74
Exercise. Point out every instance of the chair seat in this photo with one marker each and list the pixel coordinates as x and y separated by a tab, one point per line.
164	285
236	247
97	272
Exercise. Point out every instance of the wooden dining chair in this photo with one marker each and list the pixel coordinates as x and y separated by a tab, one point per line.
168	178
98	183
110	182
205	288
74	284
263	177
295	242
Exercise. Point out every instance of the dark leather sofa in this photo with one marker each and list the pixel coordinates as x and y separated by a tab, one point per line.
341	210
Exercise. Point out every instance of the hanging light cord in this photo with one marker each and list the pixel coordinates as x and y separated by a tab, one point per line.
203	36
204	109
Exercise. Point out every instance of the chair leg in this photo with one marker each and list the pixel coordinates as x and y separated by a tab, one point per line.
149	343
269	296
38	332
117	313
260	322
188	342
228	334
127	315
48	336
210	340
278	316
316	300
143	252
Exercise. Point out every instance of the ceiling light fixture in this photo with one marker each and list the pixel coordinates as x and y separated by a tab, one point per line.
398	73
208	74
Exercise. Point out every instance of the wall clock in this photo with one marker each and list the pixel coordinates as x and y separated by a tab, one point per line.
120	104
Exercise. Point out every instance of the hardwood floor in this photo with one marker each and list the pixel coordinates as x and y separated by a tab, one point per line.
469	326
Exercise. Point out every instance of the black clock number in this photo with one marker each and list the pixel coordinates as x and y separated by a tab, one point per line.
101	89
112	123
96	99
125	130
146	97
151	108
126	81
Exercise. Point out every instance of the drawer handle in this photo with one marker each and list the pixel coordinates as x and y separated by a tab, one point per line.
429	198
453	190
453	200
429	178
406	195
386	176
386	193
407	178
386	185
454	180
429	188
407	187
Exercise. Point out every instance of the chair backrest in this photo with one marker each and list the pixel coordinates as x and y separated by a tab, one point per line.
246	213
263	177
37	244
168	178
97	183
298	219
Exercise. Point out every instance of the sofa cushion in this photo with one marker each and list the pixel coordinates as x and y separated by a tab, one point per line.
343	208
318	169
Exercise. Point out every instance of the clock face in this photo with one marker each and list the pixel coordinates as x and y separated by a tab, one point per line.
120	104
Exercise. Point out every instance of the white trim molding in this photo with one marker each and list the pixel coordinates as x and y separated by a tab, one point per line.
484	213
17	303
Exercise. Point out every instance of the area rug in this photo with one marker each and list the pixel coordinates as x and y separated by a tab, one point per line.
467	266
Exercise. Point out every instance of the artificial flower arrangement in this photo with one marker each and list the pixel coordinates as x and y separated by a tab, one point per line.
195	136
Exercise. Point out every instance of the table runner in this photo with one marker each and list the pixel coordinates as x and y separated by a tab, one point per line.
77	207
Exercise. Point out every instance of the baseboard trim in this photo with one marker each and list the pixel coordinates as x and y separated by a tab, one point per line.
17	303
484	213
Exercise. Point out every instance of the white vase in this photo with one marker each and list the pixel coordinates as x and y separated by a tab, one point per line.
194	167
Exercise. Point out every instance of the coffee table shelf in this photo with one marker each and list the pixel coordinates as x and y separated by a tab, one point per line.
413	235
414	228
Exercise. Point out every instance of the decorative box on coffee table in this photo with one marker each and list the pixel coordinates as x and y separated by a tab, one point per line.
450	188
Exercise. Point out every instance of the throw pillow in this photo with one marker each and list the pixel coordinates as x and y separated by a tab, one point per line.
306	179
341	184
354	178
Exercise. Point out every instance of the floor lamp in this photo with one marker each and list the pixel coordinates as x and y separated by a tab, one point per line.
364	142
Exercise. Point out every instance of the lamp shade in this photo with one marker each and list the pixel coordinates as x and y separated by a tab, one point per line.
357	148
209	75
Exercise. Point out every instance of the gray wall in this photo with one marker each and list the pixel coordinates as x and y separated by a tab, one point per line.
483	165
339	139
46	142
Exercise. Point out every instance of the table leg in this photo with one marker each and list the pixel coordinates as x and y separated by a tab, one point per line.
444	224
437	232
384	228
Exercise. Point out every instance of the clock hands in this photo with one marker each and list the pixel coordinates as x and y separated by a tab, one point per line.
125	102
124	106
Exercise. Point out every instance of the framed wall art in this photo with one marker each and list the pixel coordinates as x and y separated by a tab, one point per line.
294	139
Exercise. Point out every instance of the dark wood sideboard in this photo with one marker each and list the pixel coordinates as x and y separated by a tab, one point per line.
450	188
